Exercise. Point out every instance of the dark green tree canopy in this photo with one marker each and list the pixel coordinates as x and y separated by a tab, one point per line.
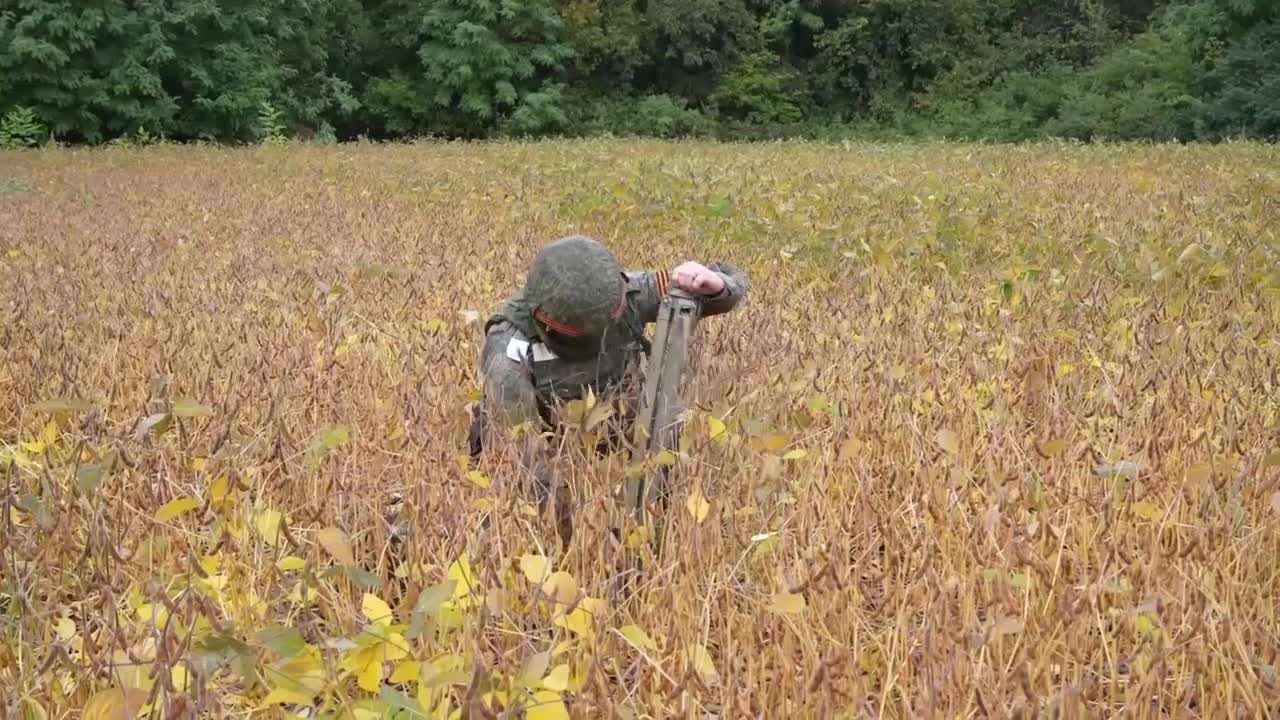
89	71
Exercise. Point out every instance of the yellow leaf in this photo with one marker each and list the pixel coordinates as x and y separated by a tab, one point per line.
534	567
50	433
199	463
35	447
335	542
546	705
789	603
581	621
560	586
665	457
218	491
150	613
1145	624
268	525
406	671
638	637
1053	447
369	671
114	704
533	670
698	506
1147	511
291	562
464	579
557	679
288	696
174	508
716	429
64	628
638	537
181	681
701	661
774	442
375	609
479	479
795	454
948	441
574	410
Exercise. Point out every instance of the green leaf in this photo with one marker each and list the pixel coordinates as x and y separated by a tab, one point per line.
89	477
223	645
186	407
35	506
158	423
333	437
431	598
61	405
361	577
396	700
283	641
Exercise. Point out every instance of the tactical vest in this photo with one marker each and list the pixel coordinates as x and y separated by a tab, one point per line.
557	378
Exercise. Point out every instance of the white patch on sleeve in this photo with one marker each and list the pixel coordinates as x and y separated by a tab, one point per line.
517	349
541	353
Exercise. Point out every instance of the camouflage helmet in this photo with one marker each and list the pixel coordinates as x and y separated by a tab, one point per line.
575	291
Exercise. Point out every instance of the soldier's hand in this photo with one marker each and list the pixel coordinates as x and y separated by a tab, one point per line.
697	278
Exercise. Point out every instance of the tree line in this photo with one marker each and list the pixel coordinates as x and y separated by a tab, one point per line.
91	71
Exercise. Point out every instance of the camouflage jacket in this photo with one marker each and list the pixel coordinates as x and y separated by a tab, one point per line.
522	377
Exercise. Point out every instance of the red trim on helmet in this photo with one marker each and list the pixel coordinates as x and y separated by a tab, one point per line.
556	325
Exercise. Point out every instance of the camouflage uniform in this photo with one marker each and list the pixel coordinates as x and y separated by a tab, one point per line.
532	359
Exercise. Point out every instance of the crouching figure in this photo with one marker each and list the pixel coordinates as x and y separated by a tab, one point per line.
577	326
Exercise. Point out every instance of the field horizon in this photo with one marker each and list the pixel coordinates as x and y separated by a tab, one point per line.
996	433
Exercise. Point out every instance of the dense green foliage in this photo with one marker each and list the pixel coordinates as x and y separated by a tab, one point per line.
233	70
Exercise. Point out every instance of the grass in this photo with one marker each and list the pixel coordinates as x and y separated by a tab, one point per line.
1001	435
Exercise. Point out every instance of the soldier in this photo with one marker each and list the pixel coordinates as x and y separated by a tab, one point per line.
577	325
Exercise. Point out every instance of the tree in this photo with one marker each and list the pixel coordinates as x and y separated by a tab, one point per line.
88	69
486	59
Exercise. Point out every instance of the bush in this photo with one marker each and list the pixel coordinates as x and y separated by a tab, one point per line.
648	116
20	128
1141	91
539	113
760	90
